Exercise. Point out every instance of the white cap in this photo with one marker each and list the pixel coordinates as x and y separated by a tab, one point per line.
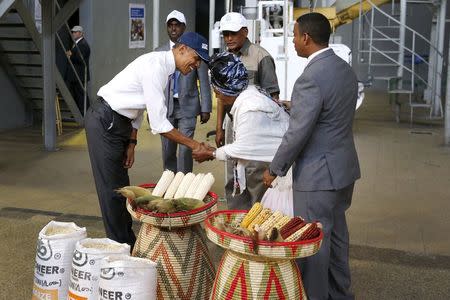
77	28
232	21
175	14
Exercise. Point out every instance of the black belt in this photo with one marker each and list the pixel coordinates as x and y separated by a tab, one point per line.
103	101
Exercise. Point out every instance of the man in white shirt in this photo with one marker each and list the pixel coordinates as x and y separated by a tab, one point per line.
112	123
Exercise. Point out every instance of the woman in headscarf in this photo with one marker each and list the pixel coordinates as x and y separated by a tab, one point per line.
259	123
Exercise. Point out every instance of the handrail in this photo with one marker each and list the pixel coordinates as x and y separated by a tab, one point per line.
374	7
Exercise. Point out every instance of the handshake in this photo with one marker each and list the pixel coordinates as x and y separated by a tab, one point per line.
203	152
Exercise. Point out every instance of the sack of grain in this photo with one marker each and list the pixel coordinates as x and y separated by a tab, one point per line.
86	266
126	277
55	247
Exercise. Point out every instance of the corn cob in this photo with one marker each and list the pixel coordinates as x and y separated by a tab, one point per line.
138	191
190	192
163	183
174	185
292	226
298	234
271	221
253	212
184	185
204	187
281	222
260	218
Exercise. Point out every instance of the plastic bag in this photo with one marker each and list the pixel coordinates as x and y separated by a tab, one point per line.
280	196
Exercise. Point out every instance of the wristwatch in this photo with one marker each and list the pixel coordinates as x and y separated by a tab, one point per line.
214	153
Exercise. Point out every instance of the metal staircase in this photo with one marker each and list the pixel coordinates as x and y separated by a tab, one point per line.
20	56
393	53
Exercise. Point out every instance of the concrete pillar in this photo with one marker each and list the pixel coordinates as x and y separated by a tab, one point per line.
155	24
437	108
447	103
212	9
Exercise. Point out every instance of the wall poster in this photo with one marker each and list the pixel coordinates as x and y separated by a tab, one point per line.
137	25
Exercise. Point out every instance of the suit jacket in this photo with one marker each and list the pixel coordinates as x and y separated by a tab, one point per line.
82	50
319	140
188	95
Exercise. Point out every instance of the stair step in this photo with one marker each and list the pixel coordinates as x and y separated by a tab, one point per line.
419	104
380	39
377	52
384	65
11	18
385	77
29	82
400	92
28	70
19	58
14	32
18	46
387	27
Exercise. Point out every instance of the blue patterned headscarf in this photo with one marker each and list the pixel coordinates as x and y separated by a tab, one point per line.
228	74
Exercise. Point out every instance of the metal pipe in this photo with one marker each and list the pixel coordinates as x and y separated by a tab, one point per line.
155	23
401	49
212	9
447	103
437	104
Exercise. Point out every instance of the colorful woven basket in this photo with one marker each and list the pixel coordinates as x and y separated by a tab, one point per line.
185	270
179	219
245	245
245	277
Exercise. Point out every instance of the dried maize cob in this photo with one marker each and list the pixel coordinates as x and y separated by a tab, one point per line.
298	234
138	191
190	193
204	187
271	221
173	187
260	218
253	212
184	185
163	183
281	222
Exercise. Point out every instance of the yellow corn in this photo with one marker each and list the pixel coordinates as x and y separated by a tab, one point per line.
271	221
281	222
260	218
253	212
296	235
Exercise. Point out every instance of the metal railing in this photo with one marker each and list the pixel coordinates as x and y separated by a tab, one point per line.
377	36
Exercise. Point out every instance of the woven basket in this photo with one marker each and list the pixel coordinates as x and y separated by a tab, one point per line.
263	249
179	219
185	270
242	277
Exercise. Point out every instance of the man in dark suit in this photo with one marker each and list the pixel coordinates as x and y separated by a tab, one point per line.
182	101
319	143
79	56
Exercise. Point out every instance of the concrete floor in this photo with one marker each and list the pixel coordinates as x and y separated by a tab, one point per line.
398	220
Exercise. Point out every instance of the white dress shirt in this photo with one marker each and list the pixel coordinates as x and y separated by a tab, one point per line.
310	58
141	86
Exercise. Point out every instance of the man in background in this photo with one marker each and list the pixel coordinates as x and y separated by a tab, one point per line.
183	100
79	56
261	72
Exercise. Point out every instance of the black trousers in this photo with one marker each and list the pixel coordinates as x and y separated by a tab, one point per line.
107	135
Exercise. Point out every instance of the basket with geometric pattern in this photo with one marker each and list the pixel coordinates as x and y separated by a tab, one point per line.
177	243
178	219
247	246
256	269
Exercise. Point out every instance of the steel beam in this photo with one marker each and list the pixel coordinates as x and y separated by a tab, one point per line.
64	14
48	66
155	24
5	5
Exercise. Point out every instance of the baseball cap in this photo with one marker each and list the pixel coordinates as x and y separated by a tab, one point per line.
77	28
175	14
232	21
197	42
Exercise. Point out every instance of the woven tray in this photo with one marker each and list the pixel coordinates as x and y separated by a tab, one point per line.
179	219
262	249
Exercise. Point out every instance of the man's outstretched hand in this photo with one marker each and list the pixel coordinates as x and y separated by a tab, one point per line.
203	153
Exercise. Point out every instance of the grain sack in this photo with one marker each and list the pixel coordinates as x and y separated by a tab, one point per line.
86	260
54	251
126	277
